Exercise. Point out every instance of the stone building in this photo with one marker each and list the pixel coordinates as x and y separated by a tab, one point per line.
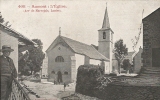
65	55
151	39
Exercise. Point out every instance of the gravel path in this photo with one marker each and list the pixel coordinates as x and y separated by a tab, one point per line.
49	91
53	92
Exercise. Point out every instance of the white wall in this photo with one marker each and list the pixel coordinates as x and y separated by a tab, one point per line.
95	62
79	60
86	60
6	39
107	68
73	69
45	66
138	61
115	65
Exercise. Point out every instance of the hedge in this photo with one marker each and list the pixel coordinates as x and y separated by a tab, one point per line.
87	79
91	82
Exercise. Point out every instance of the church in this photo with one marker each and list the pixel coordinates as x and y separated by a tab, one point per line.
65	55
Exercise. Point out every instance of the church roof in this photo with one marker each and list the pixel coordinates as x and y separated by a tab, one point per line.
80	48
84	49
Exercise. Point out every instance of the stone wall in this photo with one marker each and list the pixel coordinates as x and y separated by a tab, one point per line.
151	35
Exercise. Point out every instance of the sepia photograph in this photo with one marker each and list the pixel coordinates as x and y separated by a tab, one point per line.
80	49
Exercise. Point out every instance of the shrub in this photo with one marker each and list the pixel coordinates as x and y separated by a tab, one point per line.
87	79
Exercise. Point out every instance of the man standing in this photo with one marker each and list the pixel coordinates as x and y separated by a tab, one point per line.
8	72
64	86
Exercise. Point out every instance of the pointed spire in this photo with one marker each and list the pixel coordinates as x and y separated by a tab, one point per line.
60	31
106	20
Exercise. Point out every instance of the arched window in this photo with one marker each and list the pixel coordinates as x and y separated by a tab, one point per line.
59	59
104	35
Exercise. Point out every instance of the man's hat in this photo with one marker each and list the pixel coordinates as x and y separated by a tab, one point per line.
6	48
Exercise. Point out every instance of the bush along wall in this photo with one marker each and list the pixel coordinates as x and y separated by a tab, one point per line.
87	77
91	82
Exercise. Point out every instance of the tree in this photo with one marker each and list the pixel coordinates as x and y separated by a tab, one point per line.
126	65
22	64
120	51
1	18
32	60
36	57
2	21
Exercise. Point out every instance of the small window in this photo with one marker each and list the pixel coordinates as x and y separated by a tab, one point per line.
53	72
104	35
65	73
59	59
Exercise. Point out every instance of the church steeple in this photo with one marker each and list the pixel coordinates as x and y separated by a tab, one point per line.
105	41
106	24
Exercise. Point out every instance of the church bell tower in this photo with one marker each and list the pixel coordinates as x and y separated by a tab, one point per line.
105	41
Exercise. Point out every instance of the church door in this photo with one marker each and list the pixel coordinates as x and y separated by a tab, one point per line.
59	78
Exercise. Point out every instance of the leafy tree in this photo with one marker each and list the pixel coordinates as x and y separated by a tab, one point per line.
120	51
2	21
39	43
126	65
22	64
36	57
31	60
1	18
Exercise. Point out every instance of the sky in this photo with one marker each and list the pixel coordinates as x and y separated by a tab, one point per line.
79	20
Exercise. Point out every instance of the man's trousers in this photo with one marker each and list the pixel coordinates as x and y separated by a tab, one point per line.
6	87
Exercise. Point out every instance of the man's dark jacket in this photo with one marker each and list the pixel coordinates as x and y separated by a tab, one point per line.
7	67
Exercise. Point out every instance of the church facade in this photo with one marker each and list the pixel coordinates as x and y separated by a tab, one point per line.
65	55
